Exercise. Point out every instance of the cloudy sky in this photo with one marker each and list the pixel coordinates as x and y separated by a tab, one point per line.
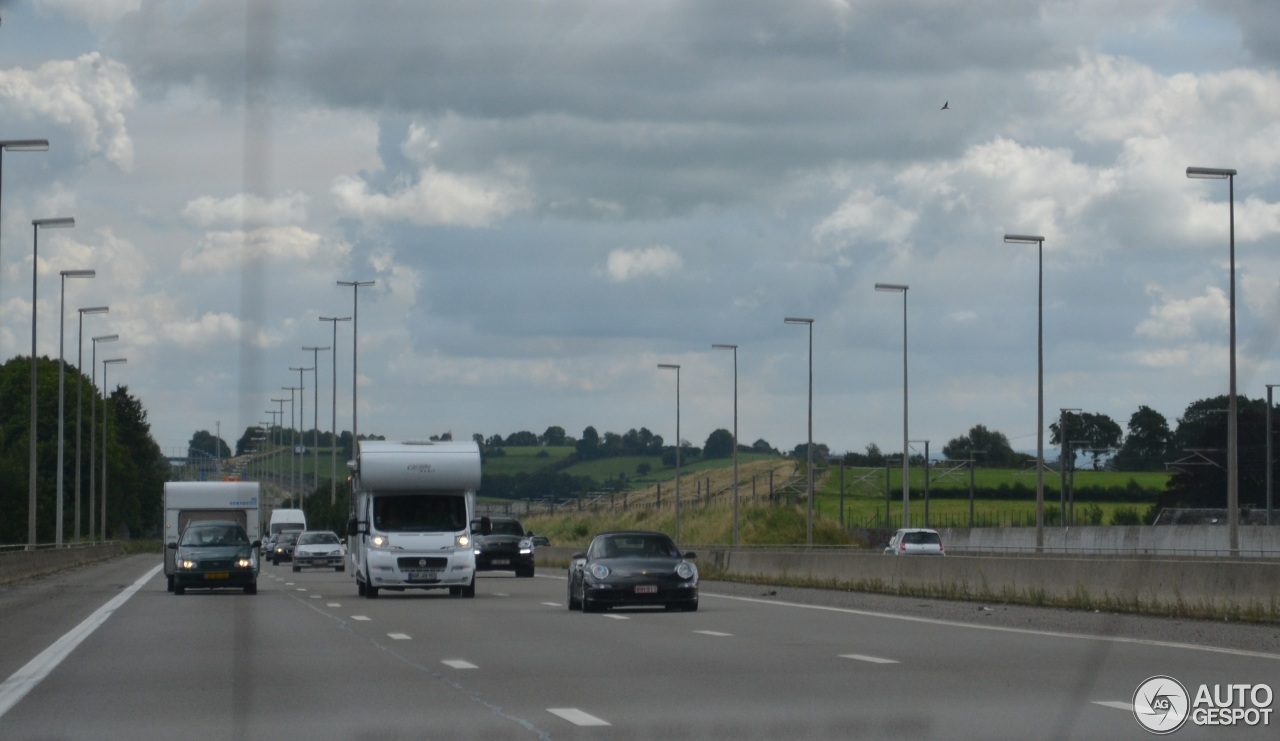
553	197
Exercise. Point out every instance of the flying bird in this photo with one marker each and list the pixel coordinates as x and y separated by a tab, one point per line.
946	105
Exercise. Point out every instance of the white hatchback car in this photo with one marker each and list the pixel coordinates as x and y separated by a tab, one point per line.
915	541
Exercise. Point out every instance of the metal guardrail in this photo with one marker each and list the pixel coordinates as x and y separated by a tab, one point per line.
19	547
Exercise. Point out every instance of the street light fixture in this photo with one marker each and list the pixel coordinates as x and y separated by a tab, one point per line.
36	226
676	368
80	402
734	348
1039	242
333	424
1233	469
809	517
93	428
355	285
62	310
106	396
906	455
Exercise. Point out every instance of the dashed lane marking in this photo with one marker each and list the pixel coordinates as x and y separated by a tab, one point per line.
869	659
577	717
399	636
459	664
714	633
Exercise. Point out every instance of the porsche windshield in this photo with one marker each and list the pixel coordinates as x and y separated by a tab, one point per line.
420	513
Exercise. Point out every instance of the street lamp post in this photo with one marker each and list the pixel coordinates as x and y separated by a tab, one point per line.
734	348
1270	464
93	428
302	416
1039	242
293	444
280	437
1066	451
36	226
315	415
355	285
906	455
20	145
809	517
106	396
676	368
80	402
1233	469
62	310
333	424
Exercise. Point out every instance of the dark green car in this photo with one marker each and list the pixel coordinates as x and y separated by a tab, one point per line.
213	554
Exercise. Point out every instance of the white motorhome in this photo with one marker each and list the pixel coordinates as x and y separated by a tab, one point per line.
411	519
191	501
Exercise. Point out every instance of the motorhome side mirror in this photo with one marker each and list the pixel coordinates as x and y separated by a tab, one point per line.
256	544
482	526
353	526
173	546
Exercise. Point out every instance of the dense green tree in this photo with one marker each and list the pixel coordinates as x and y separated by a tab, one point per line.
553	436
993	445
1146	446
210	445
719	444
1096	434
524	438
588	446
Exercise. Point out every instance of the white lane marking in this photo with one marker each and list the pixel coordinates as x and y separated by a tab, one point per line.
869	659
359	617
501	594
25	679
1117	704
459	664
333	604
554	604
618	617
317	596
301	589
399	636
714	633
577	717
1001	629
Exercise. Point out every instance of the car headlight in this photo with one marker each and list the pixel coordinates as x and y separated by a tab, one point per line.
186	563
600	571
379	541
462	541
526	547
244	562
686	570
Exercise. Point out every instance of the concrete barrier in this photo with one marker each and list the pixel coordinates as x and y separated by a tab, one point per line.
19	564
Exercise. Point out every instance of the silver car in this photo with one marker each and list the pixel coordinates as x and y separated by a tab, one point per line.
319	549
915	541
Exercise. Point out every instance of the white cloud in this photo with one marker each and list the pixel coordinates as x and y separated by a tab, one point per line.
89	94
1183	319
657	261
226	251
97	13
247	210
865	216
436	198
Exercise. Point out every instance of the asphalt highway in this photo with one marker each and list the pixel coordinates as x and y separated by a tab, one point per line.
105	652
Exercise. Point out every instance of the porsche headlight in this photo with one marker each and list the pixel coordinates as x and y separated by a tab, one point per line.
686	570
526	547
600	571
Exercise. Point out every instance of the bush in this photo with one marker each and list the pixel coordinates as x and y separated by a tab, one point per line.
1126	516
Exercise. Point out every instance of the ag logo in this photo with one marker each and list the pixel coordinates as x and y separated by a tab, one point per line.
1161	704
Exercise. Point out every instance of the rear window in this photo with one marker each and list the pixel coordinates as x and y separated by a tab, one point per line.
922	538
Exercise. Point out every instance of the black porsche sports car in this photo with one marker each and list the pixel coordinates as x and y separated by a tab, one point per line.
632	568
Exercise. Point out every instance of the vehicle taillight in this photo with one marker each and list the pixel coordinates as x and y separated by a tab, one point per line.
902	545
941	548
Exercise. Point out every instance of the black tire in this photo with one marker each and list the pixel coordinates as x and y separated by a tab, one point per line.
469	591
588	605
169	580
526	573
339	568
296	568
455	591
179	590
360	589
574	603
275	562
691	607
251	588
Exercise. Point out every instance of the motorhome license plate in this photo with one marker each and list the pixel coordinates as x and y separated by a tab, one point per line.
218	575
424	576
647	589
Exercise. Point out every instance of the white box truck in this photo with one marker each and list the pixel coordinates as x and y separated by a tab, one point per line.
190	501
412	509
287	519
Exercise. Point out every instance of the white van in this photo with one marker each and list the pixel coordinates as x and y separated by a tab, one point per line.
411	519
287	519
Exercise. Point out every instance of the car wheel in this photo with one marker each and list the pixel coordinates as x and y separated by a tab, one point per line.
179	590
359	587
169	579
251	588
469	591
574	603
370	591
275	562
691	607
296	568
527	573
339	568
588	605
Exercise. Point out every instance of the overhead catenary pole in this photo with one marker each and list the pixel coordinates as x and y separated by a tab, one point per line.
93	430
1039	242
809	518
106	397
734	348
302	420
355	285
315	412
676	368
906	455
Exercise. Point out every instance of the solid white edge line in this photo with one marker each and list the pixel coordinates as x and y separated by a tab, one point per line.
869	659
577	717
25	679
1002	629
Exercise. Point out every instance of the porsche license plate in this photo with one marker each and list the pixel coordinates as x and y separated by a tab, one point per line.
218	575
646	589
501	562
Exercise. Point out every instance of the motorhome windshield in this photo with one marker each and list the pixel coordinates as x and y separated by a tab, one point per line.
420	513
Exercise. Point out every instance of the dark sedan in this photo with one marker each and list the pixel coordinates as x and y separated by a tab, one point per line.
284	545
507	547
212	554
632	568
